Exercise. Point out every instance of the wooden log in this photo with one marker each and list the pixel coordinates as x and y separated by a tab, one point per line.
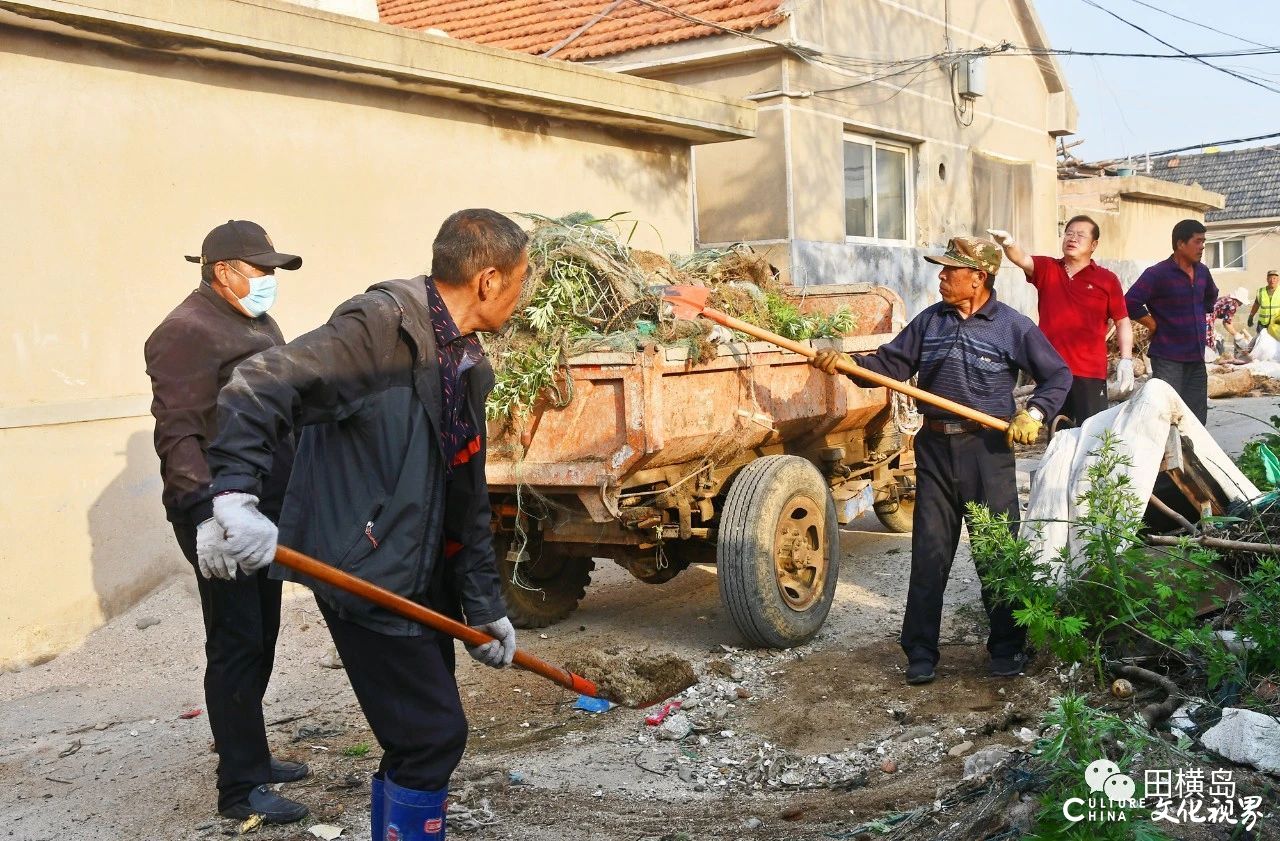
1237	383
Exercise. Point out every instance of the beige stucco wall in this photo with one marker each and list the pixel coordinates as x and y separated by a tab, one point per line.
1261	253
1024	108
1136	214
120	160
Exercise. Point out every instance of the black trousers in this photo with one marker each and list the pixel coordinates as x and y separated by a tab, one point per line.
406	688
241	623
952	470
1087	397
1189	379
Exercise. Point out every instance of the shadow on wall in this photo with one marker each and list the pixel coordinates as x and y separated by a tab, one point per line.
133	549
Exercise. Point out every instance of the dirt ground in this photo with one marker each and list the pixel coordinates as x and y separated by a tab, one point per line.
807	743
134	769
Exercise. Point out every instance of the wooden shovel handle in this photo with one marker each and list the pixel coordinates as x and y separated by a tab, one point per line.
857	371
412	610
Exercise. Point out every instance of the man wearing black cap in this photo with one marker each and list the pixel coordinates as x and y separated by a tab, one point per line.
190	356
968	348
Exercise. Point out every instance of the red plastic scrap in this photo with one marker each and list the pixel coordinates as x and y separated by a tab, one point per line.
191	713
654	719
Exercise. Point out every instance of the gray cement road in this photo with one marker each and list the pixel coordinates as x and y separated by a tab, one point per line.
1233	422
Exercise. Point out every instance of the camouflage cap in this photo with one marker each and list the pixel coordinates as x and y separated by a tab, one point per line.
970	253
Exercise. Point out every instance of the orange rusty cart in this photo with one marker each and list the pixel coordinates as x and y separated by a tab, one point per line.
750	461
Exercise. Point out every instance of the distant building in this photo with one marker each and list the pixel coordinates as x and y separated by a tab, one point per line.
882	132
1244	232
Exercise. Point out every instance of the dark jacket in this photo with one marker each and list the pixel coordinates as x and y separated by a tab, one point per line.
190	357
369	494
975	361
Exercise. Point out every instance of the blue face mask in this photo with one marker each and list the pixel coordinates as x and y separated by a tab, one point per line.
262	293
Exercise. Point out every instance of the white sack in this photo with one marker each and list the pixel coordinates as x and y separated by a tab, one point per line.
1266	349
1141	430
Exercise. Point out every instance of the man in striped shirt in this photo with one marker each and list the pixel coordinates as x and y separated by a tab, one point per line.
968	348
1172	299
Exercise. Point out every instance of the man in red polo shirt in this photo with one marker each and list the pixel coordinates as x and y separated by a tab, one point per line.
1077	296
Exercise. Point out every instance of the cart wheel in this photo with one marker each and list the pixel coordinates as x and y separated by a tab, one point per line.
548	584
777	551
896	514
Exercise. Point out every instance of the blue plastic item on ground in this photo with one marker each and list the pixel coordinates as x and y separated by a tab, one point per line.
592	705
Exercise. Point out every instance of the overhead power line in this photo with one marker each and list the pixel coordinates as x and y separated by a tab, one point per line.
868	71
1155	37
1156	8
1215	143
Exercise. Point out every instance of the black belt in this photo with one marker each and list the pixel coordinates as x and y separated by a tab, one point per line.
953	427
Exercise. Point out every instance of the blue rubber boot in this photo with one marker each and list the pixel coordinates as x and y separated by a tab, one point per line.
413	815
377	809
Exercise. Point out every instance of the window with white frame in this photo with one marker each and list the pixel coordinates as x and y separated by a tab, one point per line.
1002	194
1224	253
877	189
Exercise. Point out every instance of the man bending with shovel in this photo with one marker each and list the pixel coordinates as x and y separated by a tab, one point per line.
969	349
388	485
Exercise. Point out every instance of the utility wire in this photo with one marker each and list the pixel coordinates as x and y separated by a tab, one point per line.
871	71
1180	55
1151	35
1215	143
1191	148
577	33
1154	7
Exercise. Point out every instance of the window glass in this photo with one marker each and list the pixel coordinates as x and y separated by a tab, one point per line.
1233	254
891	193
857	190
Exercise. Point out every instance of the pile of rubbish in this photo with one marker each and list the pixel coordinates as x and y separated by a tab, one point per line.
1245	371
589	291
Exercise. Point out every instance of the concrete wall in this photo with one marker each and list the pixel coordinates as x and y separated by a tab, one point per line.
1261	253
121	158
1136	214
739	198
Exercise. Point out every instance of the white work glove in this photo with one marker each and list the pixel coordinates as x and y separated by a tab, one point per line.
1124	376
499	652
251	537
211	551
1002	238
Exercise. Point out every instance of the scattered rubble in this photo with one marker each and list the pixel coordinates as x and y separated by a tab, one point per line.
331	659
986	761
675	727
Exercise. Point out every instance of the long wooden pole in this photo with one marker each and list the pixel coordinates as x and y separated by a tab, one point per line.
856	371
412	610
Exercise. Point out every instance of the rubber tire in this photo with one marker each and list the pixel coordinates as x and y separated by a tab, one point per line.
745	557
559	593
894	516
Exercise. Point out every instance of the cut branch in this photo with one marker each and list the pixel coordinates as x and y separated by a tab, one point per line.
1216	543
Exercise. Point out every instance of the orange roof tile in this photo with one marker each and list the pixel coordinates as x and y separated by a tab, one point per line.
535	26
